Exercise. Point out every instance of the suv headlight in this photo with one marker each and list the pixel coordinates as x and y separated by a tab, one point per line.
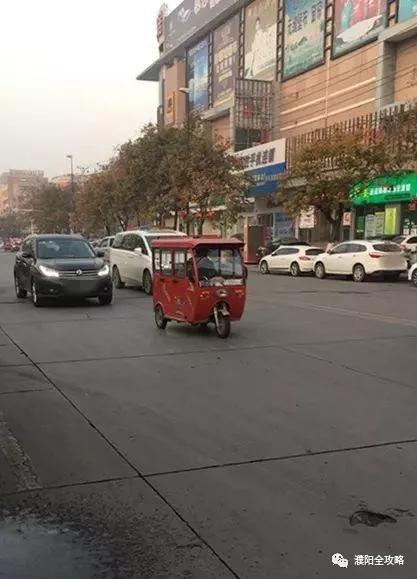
104	271
48	271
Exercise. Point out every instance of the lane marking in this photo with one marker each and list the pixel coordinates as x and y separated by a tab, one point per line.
354	314
17	459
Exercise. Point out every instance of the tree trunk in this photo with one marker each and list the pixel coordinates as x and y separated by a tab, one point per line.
200	226
176	220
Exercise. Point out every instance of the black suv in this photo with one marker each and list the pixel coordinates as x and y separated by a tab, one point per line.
53	266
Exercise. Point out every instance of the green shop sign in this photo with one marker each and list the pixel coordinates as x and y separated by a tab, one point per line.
389	189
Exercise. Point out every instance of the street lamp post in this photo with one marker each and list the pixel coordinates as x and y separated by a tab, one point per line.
71	158
186	91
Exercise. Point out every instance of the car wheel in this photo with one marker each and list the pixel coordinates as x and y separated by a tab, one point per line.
160	319
359	273
223	325
117	280
147	282
105	300
20	292
414	278
320	271
294	269
263	268
36	300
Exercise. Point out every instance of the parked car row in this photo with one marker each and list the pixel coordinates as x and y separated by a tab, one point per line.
355	258
12	244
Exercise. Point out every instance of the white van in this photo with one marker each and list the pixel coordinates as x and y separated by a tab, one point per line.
131	257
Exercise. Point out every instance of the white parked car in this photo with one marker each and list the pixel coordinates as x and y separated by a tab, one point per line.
291	259
407	242
361	258
412	274
131	257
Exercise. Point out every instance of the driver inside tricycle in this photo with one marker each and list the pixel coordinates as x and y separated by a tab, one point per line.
199	281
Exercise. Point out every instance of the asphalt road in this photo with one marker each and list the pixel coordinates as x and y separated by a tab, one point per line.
126	452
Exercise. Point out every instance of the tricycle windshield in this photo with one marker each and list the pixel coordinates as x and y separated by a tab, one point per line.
224	262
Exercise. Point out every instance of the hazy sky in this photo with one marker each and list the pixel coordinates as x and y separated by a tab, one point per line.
68	79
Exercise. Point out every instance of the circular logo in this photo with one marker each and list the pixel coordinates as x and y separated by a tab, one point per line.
79	272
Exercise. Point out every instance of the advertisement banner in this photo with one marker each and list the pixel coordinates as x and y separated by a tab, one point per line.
407	9
263	164
261	39
190	16
283	226
307	219
347	219
197	76
225	60
304	31
356	22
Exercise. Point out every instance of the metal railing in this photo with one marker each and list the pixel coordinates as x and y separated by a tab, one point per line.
383	123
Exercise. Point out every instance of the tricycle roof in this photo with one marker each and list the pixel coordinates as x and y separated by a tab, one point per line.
193	242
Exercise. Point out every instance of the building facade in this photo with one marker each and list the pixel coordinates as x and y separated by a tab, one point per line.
17	183
258	71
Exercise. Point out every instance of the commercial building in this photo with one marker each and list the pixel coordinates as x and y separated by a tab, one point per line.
259	71
18	183
4	199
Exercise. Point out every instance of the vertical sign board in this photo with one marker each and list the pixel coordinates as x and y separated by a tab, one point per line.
261	39
390	220
304	31
407	9
225	59
357	22
307	219
197	75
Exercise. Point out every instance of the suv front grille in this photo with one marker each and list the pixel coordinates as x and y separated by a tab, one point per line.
73	273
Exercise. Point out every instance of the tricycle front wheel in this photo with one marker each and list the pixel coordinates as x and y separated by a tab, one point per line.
160	319
223	325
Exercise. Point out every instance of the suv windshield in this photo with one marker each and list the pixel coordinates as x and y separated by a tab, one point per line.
64	249
218	262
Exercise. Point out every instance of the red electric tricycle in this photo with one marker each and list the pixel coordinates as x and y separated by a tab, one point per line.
199	281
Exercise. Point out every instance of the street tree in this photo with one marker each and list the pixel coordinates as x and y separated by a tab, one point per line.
13	225
324	172
173	168
50	208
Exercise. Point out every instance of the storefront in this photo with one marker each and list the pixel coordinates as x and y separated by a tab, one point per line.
385	206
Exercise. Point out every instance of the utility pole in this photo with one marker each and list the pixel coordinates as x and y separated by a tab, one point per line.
186	91
71	158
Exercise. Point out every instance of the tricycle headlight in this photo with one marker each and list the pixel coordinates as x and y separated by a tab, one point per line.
48	271
104	271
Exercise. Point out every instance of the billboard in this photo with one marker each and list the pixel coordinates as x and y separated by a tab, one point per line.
190	16
197	75
407	9
263	164
357	22
261	39
225	59
304	31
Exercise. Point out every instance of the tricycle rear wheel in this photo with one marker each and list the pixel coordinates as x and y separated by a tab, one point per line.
160	319
223	325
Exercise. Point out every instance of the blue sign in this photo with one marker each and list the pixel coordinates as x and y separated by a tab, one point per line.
283	226
265	180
